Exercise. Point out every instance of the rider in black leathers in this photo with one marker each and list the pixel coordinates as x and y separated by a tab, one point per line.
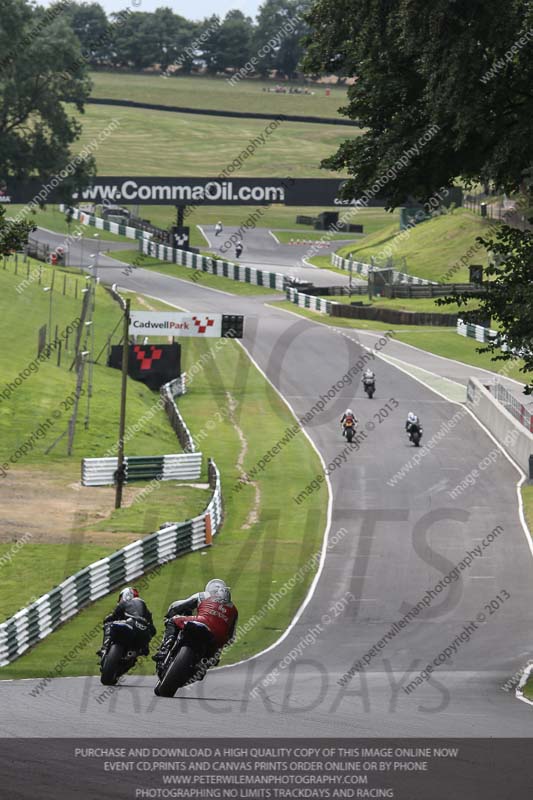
130	605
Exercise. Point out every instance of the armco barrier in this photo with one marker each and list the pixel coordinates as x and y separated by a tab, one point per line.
308	301
214	266
31	624
477	332
506	430
363	269
104	225
387	315
168	392
179	467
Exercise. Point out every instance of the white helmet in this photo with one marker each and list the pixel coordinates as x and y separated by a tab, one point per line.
411	417
216	589
348	412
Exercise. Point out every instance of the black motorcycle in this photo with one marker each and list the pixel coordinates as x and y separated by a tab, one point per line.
183	663
349	430
369	386
415	434
122	650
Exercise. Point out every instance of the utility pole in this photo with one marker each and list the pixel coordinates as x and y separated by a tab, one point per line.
122	423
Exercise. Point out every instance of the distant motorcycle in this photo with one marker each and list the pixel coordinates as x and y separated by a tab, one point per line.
349	429
183	663
122	649
369	385
415	434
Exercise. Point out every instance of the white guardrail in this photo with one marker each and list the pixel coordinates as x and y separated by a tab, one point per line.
179	467
309	301
363	269
32	624
215	266
104	225
477	332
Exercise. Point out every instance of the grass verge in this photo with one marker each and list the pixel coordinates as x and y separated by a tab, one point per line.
199	91
266	537
431	249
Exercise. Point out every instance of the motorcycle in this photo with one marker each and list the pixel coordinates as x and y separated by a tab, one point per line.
369	386
415	434
183	662
349	429
121	652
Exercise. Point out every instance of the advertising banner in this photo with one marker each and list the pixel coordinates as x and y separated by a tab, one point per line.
175	323
201	192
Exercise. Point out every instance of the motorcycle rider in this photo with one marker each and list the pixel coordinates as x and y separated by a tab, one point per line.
217	612
130	605
369	376
348	415
218	228
412	420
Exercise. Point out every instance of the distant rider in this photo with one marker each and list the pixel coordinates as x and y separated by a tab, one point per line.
411	421
218	228
348	416
369	376
214	608
130	605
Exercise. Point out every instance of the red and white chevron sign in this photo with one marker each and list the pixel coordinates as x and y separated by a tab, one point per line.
175	323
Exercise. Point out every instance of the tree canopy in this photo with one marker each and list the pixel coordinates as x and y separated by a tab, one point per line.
41	67
461	70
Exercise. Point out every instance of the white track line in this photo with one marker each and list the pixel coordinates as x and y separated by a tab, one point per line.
204	234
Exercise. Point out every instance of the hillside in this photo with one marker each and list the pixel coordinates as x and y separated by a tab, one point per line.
433	249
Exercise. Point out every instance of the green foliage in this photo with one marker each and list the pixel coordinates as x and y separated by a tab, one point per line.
509	296
41	67
13	235
444	67
281	22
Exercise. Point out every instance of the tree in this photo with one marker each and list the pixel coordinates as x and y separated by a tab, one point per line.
508	296
132	41
13	233
168	37
457	69
281	26
91	26
41	68
229	46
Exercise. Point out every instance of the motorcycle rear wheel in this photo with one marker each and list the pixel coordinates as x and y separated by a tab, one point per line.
179	672
110	665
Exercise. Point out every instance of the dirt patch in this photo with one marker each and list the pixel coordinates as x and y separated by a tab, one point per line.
253	516
55	511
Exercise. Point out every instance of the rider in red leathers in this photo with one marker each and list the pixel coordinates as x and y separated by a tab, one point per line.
214	609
